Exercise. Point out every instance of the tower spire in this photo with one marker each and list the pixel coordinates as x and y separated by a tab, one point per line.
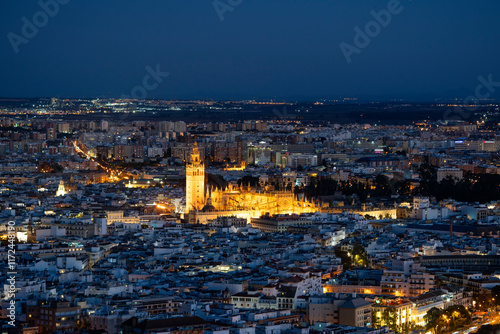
195	181
195	153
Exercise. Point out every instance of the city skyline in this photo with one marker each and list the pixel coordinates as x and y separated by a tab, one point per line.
250	167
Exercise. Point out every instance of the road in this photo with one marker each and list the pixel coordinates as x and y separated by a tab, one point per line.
493	319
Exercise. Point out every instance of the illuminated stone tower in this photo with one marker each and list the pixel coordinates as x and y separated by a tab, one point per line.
195	181
61	190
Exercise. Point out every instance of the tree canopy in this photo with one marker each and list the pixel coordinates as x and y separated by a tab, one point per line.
451	318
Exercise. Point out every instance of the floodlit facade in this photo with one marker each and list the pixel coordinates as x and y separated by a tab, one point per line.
204	204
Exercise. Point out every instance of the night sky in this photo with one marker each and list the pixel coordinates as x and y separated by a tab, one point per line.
263	49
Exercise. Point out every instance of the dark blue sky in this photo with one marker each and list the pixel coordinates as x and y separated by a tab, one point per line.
262	49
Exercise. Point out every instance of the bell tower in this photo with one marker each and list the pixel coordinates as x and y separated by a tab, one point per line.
61	190
195	181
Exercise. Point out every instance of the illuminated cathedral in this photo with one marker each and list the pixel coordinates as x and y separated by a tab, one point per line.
204	203
66	188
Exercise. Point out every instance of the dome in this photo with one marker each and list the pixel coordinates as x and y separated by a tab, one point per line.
208	207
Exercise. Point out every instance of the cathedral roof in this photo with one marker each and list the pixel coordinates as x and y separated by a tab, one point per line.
208	207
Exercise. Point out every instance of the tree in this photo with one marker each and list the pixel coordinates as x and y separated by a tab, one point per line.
376	321
389	319
483	300
495	295
56	168
452	318
382	186
457	316
403	187
344	258
432	319
359	255
428	179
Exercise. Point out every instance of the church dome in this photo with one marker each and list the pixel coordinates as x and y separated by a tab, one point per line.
208	207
